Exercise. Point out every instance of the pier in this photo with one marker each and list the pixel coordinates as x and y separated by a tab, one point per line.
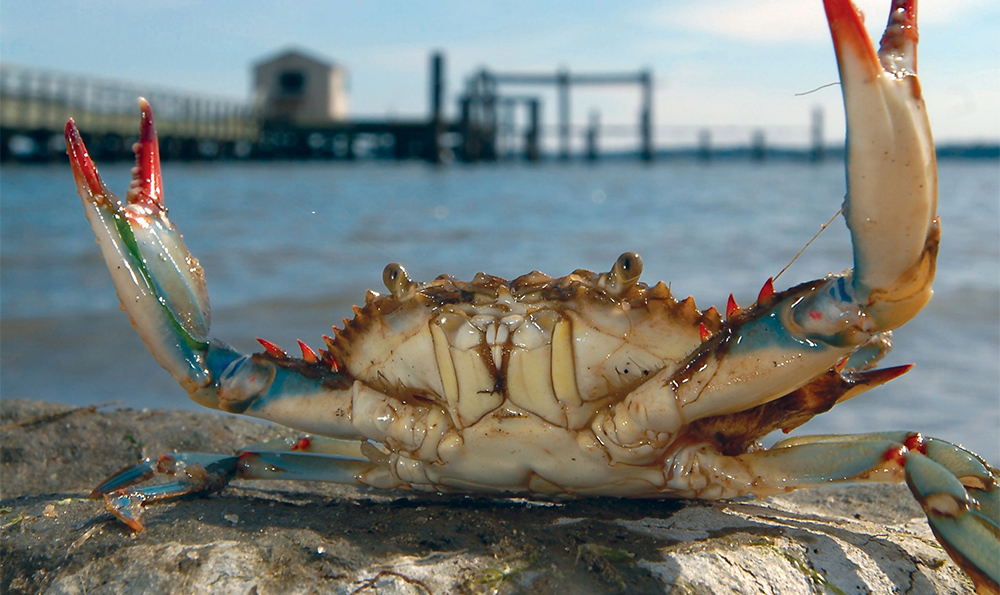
483	96
35	104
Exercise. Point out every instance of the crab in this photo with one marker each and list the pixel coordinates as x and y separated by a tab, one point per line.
591	384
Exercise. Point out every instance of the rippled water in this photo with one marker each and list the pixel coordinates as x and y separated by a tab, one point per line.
287	248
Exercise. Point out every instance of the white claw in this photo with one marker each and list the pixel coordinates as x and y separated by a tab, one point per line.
891	167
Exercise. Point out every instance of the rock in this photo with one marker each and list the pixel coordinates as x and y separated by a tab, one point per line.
287	537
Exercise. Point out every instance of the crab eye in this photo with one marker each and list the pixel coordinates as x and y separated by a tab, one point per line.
627	269
395	278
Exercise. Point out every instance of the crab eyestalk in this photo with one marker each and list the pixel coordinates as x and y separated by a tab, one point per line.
891	168
160	285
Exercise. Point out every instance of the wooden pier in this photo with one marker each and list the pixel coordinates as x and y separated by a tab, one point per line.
35	104
483	96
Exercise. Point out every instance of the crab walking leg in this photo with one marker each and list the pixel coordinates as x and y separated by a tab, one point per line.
308	458
976	475
966	466
890	208
198	473
956	489
968	529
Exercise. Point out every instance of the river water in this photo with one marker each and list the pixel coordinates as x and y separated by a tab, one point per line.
288	247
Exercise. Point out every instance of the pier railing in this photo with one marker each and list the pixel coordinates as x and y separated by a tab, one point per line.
35	104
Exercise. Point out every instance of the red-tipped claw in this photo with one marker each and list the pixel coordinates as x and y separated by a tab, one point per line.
88	182
891	170
146	188
159	283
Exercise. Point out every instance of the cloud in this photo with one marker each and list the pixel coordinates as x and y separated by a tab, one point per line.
769	21
787	21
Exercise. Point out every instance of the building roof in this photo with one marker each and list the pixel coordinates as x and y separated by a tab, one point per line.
295	52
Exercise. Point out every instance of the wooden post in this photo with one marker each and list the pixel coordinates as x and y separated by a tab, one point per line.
816	131
531	137
758	148
436	128
488	134
705	144
564	116
351	155
26	101
465	128
506	140
646	117
592	131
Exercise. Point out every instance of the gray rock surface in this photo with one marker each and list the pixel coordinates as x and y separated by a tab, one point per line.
285	537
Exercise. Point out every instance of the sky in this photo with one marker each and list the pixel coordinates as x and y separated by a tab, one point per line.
729	65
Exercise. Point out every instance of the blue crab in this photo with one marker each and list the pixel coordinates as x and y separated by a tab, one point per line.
589	384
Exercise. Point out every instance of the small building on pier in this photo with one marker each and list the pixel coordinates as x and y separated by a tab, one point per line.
298	89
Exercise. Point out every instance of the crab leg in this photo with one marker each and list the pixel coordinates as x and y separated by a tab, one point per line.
198	473
956	489
963	524
308	458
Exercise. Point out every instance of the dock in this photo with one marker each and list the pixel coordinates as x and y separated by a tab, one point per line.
35	104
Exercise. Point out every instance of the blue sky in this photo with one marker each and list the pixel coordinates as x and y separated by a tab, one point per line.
728	64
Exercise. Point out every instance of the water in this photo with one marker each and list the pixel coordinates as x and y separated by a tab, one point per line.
287	248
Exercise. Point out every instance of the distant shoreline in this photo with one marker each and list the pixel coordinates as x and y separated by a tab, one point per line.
973	152
984	151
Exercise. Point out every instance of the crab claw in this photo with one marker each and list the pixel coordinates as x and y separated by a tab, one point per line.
159	283
891	168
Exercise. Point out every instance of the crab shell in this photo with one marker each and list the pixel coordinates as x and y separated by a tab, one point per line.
498	385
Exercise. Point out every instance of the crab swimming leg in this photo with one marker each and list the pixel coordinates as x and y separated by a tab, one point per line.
791	337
